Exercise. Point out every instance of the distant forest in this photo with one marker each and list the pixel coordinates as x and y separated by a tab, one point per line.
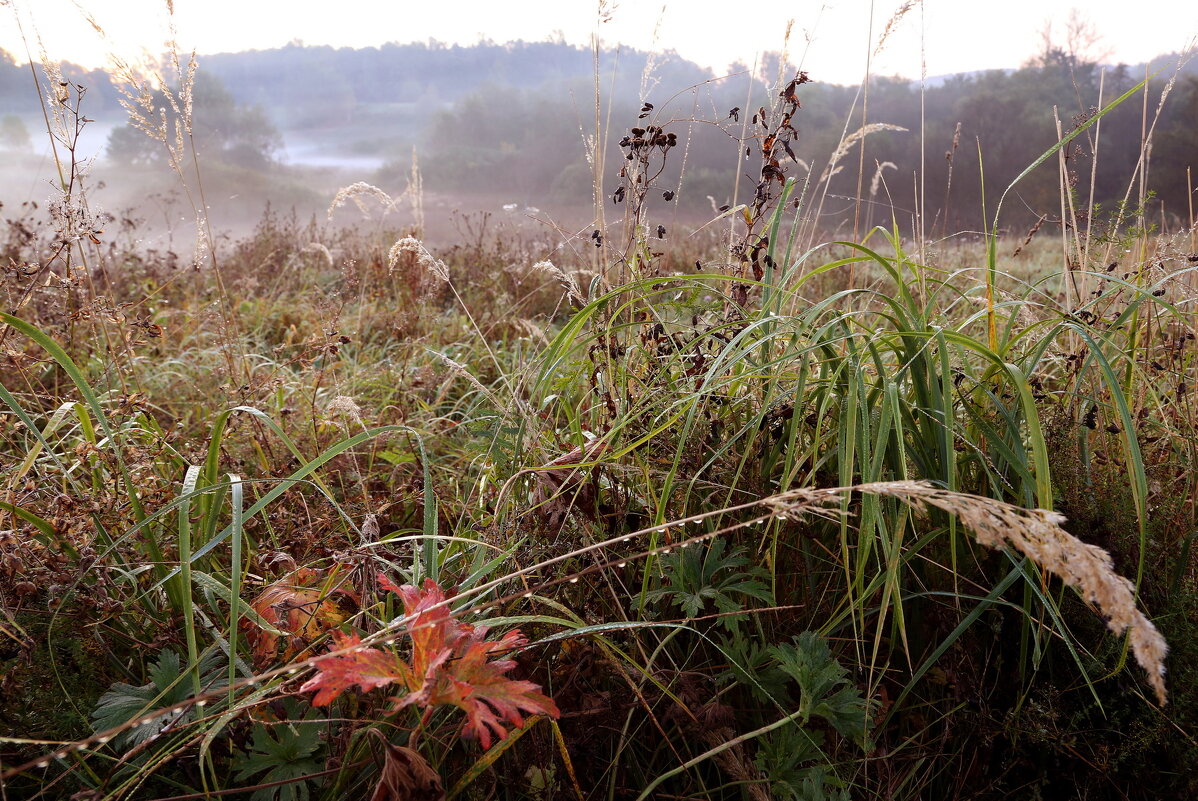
512	120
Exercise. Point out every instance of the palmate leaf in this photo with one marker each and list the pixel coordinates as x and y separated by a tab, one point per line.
299	605
432	627
824	688
166	688
489	699
698	577
281	753
452	663
793	760
751	664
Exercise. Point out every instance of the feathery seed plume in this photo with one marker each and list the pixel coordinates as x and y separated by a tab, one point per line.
426	260
355	192
1038	535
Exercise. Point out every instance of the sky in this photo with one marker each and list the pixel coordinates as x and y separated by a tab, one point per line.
831	39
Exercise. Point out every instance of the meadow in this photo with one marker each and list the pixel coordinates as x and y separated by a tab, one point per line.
738	511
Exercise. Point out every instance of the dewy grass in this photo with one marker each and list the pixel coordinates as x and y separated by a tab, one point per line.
566	448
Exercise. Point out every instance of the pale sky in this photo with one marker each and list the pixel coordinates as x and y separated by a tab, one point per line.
830	39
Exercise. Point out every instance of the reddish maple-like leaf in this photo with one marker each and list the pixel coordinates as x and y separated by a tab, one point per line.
489	698
387	584
452	663
365	667
433	630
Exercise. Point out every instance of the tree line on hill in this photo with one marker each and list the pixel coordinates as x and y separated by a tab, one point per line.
519	119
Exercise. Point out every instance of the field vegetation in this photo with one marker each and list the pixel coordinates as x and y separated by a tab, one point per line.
743	510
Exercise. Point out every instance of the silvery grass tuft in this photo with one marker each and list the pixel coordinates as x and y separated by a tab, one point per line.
322	249
564	279
1038	535
345	405
356	192
425	259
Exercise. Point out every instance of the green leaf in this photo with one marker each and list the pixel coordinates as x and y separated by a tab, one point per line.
788	757
699	579
824	688
752	665
284	752
125	702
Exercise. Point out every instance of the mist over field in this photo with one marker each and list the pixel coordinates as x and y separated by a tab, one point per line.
492	126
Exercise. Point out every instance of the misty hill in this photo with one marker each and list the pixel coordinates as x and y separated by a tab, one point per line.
511	121
381	100
314	86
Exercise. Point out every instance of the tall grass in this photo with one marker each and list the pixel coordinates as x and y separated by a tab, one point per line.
738	509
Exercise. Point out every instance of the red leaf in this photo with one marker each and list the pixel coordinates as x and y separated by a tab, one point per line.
388	585
431	626
365	667
452	663
489	698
